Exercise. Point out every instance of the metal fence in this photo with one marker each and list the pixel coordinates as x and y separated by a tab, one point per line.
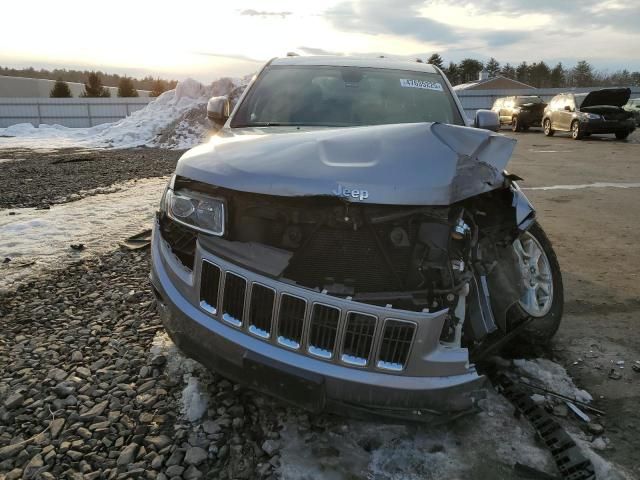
473	100
69	112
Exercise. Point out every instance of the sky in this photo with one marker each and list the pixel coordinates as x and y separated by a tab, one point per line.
209	39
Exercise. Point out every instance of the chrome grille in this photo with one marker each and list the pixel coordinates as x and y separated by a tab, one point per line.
396	343
291	320
233	299
323	330
261	310
331	329
358	338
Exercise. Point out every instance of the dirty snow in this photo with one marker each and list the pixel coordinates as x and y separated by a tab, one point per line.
552	376
40	239
179	368
166	118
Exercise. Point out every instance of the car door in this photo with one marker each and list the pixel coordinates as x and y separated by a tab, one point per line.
496	107
505	112
568	111
554	106
562	116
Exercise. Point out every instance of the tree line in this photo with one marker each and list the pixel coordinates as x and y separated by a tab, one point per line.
536	74
80	76
93	87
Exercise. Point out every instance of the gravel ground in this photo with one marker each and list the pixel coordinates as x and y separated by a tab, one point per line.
83	396
41	178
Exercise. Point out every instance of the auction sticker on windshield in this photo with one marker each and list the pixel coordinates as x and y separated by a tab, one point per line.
408	83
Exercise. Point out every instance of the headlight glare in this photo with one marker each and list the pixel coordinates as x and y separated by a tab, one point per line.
197	211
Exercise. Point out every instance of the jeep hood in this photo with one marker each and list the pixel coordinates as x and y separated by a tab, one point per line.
616	97
399	164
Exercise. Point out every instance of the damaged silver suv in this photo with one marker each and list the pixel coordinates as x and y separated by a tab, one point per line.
347	242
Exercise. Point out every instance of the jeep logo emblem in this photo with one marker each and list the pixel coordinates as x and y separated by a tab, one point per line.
354	193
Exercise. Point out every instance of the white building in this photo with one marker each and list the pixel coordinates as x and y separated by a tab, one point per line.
19	87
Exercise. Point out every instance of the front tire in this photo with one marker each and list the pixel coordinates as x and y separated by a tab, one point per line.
576	130
622	135
546	126
543	297
516	126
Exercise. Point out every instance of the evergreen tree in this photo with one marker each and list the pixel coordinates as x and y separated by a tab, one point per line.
469	69
493	67
539	75
453	73
557	78
436	60
60	90
158	88
508	71
582	74
93	87
522	72
126	89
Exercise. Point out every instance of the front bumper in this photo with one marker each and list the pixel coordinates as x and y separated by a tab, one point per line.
530	119
608	126
436	379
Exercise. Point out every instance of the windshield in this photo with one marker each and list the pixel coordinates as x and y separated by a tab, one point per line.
525	100
345	96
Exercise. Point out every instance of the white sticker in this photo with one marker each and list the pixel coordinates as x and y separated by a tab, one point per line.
408	83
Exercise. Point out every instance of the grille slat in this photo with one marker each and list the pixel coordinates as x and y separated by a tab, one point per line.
396	343
291	320
358	338
233	299
209	287
261	310
323	330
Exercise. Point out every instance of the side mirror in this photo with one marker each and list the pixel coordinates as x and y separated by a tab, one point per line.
487	120
218	110
567	108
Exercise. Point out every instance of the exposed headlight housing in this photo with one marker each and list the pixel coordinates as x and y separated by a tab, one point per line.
196	210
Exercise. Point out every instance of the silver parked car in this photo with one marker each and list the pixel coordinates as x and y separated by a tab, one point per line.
346	240
633	106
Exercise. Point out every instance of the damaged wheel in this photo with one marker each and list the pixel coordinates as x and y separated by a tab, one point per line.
543	295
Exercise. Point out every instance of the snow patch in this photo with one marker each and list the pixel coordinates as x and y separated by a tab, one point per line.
179	368
195	400
36	240
552	376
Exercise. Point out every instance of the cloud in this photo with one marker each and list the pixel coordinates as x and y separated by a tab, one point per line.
318	51
231	56
381	17
250	12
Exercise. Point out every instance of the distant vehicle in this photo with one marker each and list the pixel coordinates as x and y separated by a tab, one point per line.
521	112
582	114
633	106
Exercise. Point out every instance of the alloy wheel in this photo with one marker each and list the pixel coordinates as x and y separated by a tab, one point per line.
536	276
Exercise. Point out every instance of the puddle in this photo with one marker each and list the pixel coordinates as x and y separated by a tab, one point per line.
586	185
37	240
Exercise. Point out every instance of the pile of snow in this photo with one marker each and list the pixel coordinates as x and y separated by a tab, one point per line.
552	376
176	119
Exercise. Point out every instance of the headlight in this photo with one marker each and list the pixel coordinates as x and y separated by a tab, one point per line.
196	210
592	116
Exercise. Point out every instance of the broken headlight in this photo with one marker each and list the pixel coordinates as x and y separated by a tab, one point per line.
196	210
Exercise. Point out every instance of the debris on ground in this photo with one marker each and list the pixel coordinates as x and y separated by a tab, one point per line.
77	246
